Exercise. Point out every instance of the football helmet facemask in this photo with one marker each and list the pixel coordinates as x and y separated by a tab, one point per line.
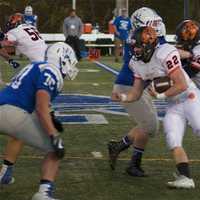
145	41
63	57
187	34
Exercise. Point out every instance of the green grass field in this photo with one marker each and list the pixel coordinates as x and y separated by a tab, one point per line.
82	177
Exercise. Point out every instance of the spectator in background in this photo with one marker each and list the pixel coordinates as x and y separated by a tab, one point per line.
29	17
122	26
73	28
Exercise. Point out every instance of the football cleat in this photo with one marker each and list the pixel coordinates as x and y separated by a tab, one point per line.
6	175
42	196
181	182
114	150
135	171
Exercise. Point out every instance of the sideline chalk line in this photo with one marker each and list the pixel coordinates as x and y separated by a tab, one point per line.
102	158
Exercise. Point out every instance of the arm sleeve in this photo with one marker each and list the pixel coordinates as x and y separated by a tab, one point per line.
130	25
80	27
133	68
171	62
65	29
115	22
196	54
36	20
136	74
11	37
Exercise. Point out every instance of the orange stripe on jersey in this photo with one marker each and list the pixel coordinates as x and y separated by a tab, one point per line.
137	77
173	69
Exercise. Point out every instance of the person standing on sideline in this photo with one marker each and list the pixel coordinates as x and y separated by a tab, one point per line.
29	17
122	26
73	28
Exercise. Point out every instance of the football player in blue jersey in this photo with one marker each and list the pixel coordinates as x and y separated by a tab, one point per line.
34	49
142	111
122	25
24	109
29	17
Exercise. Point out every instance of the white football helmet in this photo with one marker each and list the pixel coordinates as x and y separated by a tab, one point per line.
147	17
28	10
63	57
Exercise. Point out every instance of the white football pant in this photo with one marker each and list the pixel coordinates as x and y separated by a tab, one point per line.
177	116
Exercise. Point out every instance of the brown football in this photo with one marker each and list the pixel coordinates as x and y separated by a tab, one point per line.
161	84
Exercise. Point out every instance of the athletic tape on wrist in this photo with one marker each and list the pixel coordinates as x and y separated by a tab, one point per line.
123	97
161	96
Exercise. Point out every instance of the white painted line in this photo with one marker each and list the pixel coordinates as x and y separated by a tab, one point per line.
97	154
95	84
96	119
89	70
89	118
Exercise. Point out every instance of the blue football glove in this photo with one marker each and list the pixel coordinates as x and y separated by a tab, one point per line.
13	63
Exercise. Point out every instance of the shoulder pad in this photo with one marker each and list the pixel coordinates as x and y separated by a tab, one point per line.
55	71
196	50
164	50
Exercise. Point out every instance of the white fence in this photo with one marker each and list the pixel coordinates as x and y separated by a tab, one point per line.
88	38
56	37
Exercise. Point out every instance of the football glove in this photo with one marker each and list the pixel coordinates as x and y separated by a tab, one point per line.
13	63
2	36
58	146
57	124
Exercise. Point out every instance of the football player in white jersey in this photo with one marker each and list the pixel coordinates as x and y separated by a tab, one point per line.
25	38
148	125
187	42
151	61
28	41
6	56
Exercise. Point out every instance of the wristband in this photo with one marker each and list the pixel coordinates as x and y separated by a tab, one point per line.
161	96
123	97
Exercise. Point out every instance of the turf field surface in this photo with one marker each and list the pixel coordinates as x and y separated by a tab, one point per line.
84	177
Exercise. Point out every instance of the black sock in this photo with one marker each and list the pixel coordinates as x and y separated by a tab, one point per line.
137	157
8	163
183	169
47	187
44	181
125	143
